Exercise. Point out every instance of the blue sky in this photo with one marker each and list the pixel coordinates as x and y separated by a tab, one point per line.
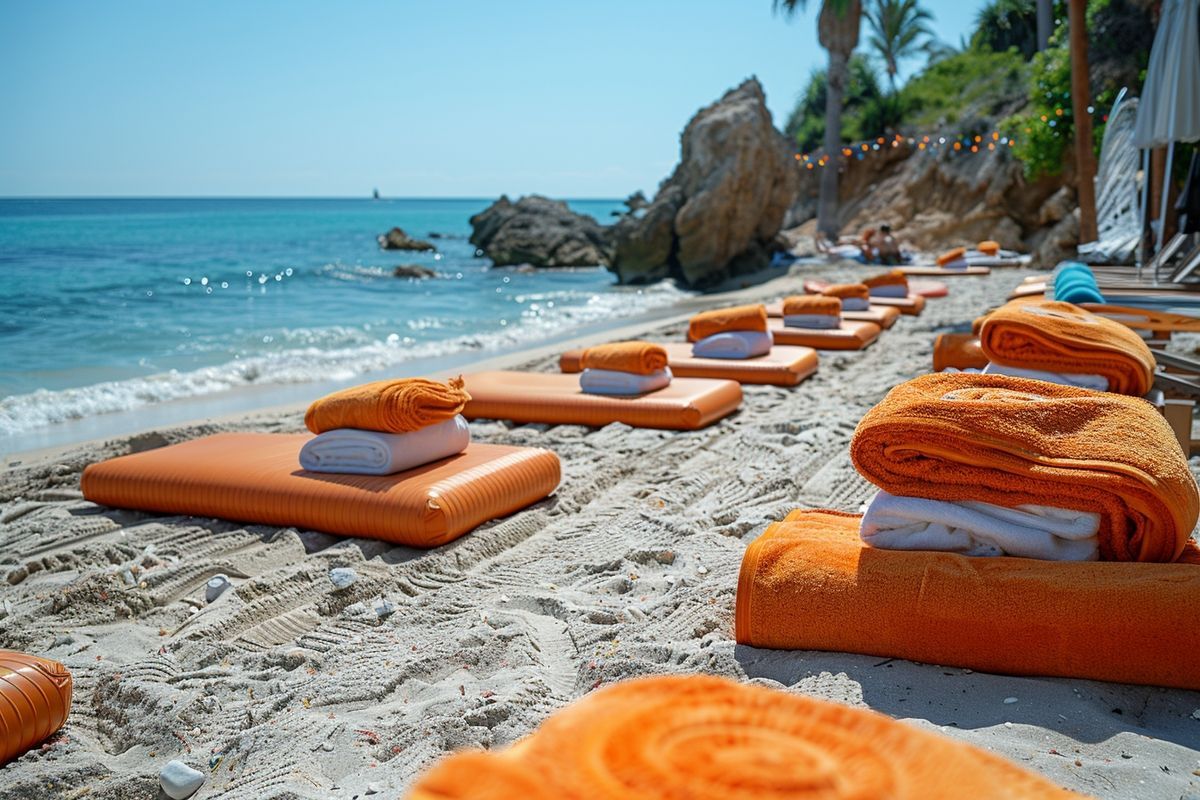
468	98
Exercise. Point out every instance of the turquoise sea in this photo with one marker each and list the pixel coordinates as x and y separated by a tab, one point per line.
139	306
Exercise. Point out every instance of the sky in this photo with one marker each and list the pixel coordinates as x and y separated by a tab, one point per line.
420	99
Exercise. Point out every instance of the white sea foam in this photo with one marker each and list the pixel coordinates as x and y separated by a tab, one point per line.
542	316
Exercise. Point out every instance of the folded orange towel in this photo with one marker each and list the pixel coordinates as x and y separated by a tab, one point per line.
35	697
640	358
809	583
699	737
1011	442
846	291
988	247
892	278
951	255
957	351
1060	337
720	320
390	406
812	304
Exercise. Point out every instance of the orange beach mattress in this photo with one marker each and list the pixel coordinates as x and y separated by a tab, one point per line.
883	316
783	366
942	272
809	583
850	335
913	304
958	351
687	404
256	477
35	697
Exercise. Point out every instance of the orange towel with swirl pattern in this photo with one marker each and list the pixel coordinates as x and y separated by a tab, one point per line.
1012	442
398	406
892	278
812	304
639	358
719	320
699	737
1060	337
845	291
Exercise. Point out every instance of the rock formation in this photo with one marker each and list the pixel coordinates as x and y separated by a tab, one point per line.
397	239
538	231
718	213
413	272
934	201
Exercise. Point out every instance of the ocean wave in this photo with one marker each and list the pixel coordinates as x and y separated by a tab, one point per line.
544	316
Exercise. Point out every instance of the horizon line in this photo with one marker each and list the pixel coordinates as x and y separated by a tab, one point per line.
281	197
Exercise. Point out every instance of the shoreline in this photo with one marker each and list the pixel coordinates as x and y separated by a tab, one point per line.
233	404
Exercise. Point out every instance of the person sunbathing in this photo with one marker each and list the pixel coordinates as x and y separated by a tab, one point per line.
879	246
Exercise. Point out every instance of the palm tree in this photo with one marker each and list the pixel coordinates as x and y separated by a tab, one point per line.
837	30
897	30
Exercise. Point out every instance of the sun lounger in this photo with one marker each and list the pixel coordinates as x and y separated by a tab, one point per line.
702	737
783	366
687	404
256	477
934	271
35	698
809	583
912	305
849	335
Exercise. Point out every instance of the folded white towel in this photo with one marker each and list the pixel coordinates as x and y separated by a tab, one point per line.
819	321
980	529
1097	383
855	304
734	344
360	452
622	384
889	290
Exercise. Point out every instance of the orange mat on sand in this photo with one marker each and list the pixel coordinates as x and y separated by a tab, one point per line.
783	366
849	335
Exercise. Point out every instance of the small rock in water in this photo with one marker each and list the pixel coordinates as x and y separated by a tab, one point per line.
342	577
179	781
215	587
1008	701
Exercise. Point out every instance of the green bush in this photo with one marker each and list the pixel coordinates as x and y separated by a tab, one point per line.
970	84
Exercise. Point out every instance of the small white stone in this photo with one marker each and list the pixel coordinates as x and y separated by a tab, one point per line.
215	587
179	781
374	788
1008	701
503	598
1008	724
1196	714
384	609
342	577
327	746
703	570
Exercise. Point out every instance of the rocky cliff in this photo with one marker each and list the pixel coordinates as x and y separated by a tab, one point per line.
719	212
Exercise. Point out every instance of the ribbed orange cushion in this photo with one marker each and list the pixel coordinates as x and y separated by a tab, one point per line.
783	366
256	477
850	335
35	697
556	399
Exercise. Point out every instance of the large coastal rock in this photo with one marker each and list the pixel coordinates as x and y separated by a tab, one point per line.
719	212
539	231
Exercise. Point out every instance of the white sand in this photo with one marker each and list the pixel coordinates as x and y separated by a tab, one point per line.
287	688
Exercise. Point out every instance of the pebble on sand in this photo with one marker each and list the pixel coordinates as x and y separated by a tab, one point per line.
179	781
215	587
342	577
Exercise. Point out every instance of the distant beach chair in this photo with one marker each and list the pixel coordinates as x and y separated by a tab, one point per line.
556	399
1118	216
784	366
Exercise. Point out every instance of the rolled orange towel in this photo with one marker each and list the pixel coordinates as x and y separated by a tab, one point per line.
957	351
845	291
35	698
1060	337
892	278
810	583
701	737
737	318
812	304
1012	442
640	358
398	406
988	247
951	255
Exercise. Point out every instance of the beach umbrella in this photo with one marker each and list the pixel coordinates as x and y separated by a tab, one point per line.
1169	110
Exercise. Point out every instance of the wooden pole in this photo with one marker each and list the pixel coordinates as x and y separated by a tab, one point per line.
1085	161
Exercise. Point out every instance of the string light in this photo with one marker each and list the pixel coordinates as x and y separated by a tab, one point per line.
923	143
